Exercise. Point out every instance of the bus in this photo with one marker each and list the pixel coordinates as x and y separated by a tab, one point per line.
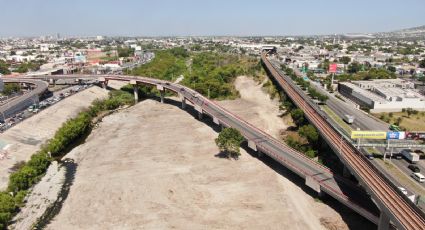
395	128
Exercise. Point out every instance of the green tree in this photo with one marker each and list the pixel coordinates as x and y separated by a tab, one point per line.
11	88
229	141
422	63
309	132
298	117
4	68
391	69
345	59
354	67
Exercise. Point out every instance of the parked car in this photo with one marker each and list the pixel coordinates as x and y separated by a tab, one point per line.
414	168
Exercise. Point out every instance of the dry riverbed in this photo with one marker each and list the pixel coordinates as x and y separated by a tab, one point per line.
154	166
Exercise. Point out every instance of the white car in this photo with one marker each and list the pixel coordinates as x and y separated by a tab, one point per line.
403	190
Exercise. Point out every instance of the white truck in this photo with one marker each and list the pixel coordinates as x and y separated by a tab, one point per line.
348	118
410	156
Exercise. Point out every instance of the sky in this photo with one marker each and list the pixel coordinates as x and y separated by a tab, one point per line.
206	18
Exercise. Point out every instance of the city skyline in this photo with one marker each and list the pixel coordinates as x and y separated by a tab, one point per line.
212	18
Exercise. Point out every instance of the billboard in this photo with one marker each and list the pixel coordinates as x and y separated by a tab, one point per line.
415	135
396	135
381	135
332	68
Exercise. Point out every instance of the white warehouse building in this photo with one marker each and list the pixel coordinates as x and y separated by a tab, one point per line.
383	95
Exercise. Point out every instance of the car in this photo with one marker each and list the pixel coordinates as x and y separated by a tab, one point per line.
403	190
419	177
397	156
414	168
370	156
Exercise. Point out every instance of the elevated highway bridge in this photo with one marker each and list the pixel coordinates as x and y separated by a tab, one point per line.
392	203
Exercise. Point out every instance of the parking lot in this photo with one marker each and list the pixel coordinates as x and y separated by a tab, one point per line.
37	107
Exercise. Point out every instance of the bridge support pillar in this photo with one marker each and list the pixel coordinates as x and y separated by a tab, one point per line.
136	93
183	103
259	153
104	84
252	145
384	222
200	115
346	173
53	82
135	90
162	93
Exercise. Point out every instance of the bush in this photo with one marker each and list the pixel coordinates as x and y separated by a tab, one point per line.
7	209
22	179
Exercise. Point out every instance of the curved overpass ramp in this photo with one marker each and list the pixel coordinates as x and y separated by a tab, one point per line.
17	104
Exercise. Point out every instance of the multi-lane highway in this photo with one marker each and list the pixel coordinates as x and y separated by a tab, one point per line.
362	120
393	204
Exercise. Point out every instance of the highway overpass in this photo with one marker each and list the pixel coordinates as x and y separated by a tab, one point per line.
20	103
317	176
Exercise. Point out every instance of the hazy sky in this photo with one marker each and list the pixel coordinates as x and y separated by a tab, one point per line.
202	17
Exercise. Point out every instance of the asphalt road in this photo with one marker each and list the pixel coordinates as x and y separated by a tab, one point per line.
19	103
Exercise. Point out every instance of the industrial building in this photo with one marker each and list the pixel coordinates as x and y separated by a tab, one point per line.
383	95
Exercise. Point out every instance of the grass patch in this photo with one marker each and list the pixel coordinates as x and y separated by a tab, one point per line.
401	177
414	122
337	119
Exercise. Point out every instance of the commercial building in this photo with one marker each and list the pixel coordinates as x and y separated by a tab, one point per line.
383	95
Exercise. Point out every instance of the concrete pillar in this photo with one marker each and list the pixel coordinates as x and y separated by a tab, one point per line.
259	153
52	81
183	103
384	222
346	173
162	92
136	93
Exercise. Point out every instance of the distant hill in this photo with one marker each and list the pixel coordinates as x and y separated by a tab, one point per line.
409	33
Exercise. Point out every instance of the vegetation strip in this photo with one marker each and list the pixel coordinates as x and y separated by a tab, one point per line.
32	171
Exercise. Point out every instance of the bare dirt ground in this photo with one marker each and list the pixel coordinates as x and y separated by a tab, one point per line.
153	166
25	138
42	195
256	106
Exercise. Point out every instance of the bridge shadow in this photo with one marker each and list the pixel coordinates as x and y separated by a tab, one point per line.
351	218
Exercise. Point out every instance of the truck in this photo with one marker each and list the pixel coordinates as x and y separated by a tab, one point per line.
348	118
410	156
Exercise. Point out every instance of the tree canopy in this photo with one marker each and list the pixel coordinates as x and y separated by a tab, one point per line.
229	141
